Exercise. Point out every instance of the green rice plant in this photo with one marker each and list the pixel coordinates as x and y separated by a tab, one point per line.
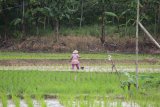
80	101
41	99
62	99
68	91
16	100
148	100
119	103
4	100
28	100
42	102
71	101
150	81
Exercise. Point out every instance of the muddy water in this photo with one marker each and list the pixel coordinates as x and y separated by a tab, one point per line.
49	103
86	68
23	103
88	64
55	103
103	104
11	104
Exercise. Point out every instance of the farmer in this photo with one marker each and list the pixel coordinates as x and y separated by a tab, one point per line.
74	59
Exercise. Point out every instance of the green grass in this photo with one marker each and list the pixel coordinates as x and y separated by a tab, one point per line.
115	56
95	30
91	30
84	31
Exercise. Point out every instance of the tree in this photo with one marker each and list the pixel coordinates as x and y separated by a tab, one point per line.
159	16
81	19
5	19
24	16
102	5
57	10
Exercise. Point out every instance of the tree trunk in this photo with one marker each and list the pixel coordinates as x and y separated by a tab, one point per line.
37	29
44	24
118	26
126	26
103	29
5	27
48	21
159	19
57	30
23	19
113	18
52	23
155	23
5	20
81	19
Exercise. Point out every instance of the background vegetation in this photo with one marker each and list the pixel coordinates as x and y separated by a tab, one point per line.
21	18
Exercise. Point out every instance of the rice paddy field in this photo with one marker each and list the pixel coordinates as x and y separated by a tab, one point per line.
46	80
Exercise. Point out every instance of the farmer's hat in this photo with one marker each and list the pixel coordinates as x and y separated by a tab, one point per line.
75	52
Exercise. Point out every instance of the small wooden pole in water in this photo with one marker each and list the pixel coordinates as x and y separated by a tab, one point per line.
137	31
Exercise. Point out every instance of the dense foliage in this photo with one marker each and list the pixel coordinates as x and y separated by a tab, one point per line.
26	17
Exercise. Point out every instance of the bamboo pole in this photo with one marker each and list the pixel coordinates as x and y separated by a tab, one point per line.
137	32
149	35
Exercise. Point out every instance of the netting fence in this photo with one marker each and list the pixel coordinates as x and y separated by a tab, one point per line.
51	82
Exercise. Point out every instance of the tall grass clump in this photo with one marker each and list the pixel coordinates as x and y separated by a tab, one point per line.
4	99
28	100
16	100
41	100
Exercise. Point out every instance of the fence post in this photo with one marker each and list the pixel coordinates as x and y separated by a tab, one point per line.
137	31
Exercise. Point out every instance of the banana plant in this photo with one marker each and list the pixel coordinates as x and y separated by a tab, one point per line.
58	10
117	16
38	17
130	81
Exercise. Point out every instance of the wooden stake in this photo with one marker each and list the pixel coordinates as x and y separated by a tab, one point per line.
149	35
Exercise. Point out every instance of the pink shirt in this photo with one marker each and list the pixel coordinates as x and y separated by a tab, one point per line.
75	59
